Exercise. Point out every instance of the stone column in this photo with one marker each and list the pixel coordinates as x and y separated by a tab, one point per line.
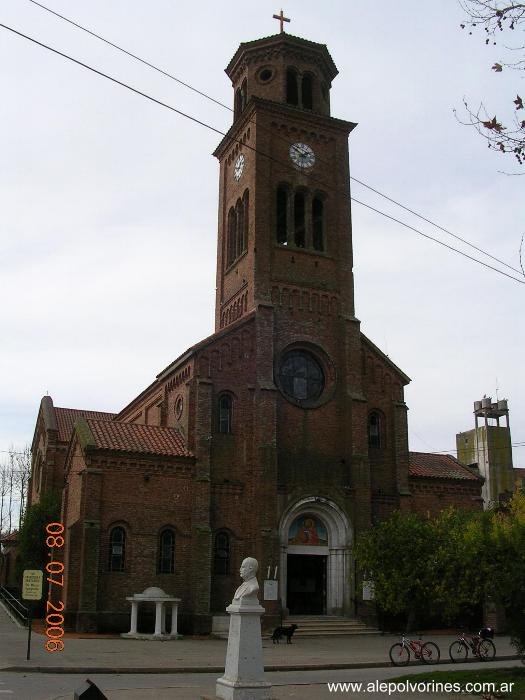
134	615
163	619
174	608
244	671
158	618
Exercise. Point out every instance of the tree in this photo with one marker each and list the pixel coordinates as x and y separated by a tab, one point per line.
498	18
446	564
22	472
397	555
14	480
507	575
32	535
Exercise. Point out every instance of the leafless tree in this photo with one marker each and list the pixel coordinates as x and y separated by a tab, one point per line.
14	479
499	20
22	461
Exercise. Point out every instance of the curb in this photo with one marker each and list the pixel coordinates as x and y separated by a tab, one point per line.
220	669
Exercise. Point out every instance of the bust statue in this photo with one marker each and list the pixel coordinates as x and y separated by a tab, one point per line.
250	587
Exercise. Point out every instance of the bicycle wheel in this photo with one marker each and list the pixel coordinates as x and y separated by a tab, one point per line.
486	650
399	654
458	651
430	653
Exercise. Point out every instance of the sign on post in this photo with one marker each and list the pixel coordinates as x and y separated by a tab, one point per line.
368	590
31	590
270	590
32	584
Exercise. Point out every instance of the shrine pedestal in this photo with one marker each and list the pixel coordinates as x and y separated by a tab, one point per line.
243	677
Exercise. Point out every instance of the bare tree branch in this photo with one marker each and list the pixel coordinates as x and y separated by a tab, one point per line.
495	17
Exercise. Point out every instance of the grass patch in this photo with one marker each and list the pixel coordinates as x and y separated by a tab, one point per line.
515	674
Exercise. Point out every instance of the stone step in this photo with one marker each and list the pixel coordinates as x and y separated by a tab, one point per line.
319	625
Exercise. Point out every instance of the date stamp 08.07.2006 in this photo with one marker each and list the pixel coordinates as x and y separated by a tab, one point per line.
54	604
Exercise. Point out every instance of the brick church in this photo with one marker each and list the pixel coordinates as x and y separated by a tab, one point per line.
283	434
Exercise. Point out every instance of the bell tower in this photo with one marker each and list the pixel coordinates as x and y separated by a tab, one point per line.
284	203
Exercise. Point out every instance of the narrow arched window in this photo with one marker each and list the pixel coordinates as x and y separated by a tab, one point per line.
166	557
232	236
239	212
237	107
292	91
117	549
374	430
221	554
282	214
307	91
244	94
317	223
225	414
299	223
245	206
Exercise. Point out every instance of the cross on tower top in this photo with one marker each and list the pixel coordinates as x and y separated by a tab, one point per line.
281	19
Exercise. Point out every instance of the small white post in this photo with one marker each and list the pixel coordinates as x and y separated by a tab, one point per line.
134	615
174	608
158	619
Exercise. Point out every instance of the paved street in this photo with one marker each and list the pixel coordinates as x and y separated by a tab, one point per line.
187	669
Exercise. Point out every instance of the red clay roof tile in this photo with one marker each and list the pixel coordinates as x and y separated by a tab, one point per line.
132	437
436	466
66	418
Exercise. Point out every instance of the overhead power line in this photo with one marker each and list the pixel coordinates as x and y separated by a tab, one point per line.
227	107
132	55
311	176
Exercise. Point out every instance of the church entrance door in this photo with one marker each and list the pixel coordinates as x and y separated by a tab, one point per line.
306	594
316	565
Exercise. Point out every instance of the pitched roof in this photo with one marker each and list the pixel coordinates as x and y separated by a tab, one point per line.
436	466
66	417
131	437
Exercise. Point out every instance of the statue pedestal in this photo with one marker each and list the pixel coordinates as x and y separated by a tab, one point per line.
244	671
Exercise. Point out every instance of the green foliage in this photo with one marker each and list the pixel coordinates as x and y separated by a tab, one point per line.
32	536
507	544
396	555
445	564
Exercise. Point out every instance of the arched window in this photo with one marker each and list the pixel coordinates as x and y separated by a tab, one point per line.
225	414
374	430
317	223
237	104
282	214
244	94
307	91
232	236
166	558
244	232
221	554
239	212
299	222
240	99
292	91
117	549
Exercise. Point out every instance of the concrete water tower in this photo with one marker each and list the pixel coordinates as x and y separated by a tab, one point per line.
488	448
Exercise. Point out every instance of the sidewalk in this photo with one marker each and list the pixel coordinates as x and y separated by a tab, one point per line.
199	655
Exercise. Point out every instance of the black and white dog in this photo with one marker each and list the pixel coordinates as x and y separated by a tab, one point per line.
283	632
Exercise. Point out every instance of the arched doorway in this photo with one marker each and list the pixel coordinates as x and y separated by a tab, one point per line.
315	538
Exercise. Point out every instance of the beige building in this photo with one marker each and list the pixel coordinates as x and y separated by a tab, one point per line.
488	448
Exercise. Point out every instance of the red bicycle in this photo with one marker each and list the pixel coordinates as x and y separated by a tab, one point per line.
427	652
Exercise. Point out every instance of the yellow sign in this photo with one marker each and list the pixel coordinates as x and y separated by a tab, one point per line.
32	585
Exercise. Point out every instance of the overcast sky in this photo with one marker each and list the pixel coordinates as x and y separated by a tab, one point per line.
108	202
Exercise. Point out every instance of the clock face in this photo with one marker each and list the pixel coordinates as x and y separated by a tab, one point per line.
239	167
302	155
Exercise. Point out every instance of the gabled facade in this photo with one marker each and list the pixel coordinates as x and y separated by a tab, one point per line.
281	436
